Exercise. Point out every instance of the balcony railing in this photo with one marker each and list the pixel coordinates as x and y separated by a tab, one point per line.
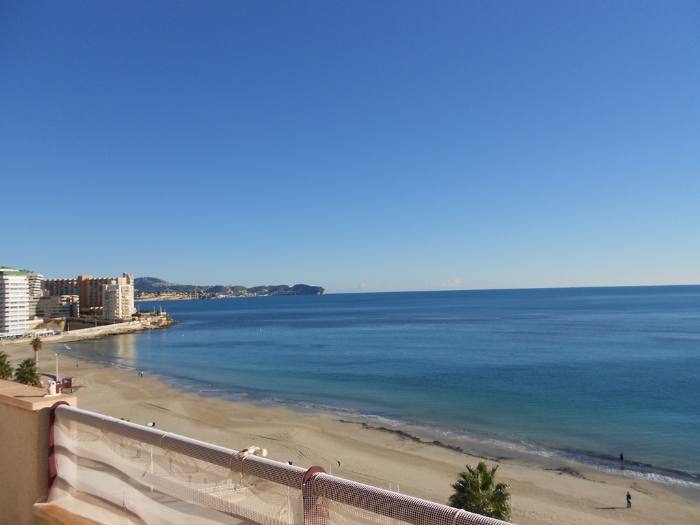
113	471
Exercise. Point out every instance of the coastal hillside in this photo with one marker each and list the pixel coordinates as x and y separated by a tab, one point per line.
146	286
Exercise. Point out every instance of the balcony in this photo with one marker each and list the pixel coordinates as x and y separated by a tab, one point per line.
90	468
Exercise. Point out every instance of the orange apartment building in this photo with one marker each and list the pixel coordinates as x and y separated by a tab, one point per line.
90	289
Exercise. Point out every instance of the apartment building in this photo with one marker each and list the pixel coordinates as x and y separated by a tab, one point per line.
118	300
35	283
61	287
89	289
58	306
14	301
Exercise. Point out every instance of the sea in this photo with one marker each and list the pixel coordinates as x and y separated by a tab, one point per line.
550	375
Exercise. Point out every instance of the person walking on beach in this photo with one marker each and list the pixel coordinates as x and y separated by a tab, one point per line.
622	461
629	500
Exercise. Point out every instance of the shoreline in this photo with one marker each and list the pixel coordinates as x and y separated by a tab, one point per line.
391	458
484	446
491	447
676	481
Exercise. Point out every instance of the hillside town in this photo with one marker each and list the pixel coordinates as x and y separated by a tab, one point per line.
31	305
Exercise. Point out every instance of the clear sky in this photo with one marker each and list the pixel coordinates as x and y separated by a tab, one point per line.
390	145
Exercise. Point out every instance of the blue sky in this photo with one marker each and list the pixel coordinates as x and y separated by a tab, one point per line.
356	145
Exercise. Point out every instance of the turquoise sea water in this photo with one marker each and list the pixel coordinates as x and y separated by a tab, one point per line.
568	373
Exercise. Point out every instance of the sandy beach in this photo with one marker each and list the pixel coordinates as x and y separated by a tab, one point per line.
573	494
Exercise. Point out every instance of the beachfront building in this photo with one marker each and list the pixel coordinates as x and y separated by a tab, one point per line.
14	301
58	306
118	300
35	283
61	287
89	289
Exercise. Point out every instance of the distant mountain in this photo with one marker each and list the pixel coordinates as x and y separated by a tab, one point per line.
154	285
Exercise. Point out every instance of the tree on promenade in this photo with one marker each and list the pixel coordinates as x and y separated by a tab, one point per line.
26	373
476	491
36	346
5	366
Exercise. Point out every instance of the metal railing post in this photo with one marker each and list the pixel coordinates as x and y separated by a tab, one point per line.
53	467
314	507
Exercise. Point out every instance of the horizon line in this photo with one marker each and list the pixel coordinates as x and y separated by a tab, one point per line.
572	287
439	290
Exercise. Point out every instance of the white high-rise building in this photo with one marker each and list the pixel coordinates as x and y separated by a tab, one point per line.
14	301
118	300
35	282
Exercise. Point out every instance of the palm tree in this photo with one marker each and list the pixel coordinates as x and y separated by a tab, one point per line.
26	373
36	345
476	491
5	367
